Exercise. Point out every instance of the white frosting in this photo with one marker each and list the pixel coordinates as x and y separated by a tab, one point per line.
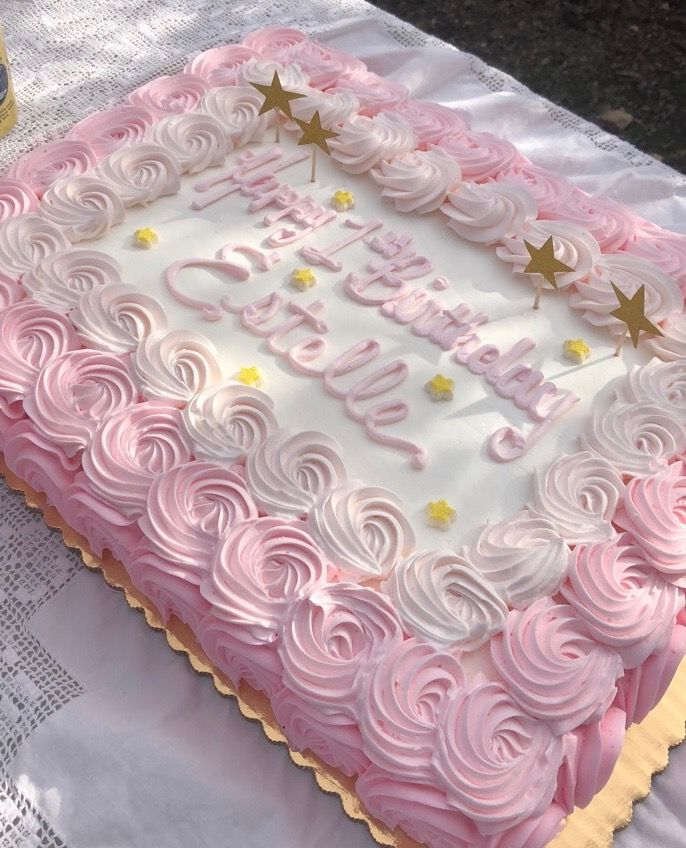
197	140
363	142
418	181
661	383
261	71
671	345
333	108
62	278
84	206
141	173
25	240
487	212
237	110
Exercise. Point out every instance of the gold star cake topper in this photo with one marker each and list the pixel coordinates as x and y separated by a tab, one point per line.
276	98
316	135
542	260
632	312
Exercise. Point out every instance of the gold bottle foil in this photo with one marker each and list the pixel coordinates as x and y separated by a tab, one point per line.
8	103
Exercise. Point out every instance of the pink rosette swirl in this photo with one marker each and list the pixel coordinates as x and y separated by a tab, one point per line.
623	600
196	140
130	449
547	189
610	224
481	156
419	810
661	383
375	93
170	95
363	142
113	128
496	764
329	639
261	70
227	420
671	345
26	240
654	512
597	300
523	556
141	173
289	471
660	247
553	667
220	65
85	207
402	701
30	336
430	121
333	737
175	365
276	41
362	529
237	110
16	198
488	212
571	245
418	181
324	65
638	438
60	279
116	317
442	599
75	392
54	161
190	508
11	291
579	494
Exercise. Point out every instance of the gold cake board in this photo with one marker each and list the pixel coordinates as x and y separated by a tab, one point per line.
645	751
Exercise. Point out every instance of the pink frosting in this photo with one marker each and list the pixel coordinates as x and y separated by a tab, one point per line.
275	42
421	811
11	291
375	93
220	65
663	248
334	738
330	637
30	336
50	162
170	95
130	449
653	510
113	128
190	508
553	667
481	156
547	189
496	764
75	392
610	224
16	198
533	833
401	703
431	121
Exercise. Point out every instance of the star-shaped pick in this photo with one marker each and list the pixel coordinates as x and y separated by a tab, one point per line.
275	96
632	312
314	133
543	261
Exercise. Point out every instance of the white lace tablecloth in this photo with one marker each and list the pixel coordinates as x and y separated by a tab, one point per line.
108	739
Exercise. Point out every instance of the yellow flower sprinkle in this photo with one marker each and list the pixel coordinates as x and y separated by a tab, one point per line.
146	237
440	514
440	387
577	350
250	376
343	200
303	279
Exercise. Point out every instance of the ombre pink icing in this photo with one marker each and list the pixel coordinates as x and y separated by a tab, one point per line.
113	128
481	156
430	121
610	224
170	95
220	65
661	247
375	93
16	198
54	161
547	189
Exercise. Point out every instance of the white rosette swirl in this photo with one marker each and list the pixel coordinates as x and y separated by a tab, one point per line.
571	245
329	640
261	70
190	508
488	212
417	181
661	383
290	470
141	173
636	438
553	667
597	300
671	345
333	108
362	529
579	494
227	420
363	142
175	365
85	207
445	601
523	556
60	279
75	392
401	703
117	318
26	240
196	140
237	110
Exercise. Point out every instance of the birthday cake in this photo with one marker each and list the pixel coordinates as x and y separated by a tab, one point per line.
267	338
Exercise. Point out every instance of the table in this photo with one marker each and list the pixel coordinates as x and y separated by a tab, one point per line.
108	738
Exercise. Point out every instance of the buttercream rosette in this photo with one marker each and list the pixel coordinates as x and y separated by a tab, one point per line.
220	65
57	160
548	190
237	108
375	93
610	224
60	279
660	247
16	198
488	212
170	95
364	141
26	240
85	207
671	345
417	181
481	156
197	140
661	383
141	173
430	121
113	128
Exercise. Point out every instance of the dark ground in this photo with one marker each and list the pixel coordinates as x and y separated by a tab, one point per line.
592	57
